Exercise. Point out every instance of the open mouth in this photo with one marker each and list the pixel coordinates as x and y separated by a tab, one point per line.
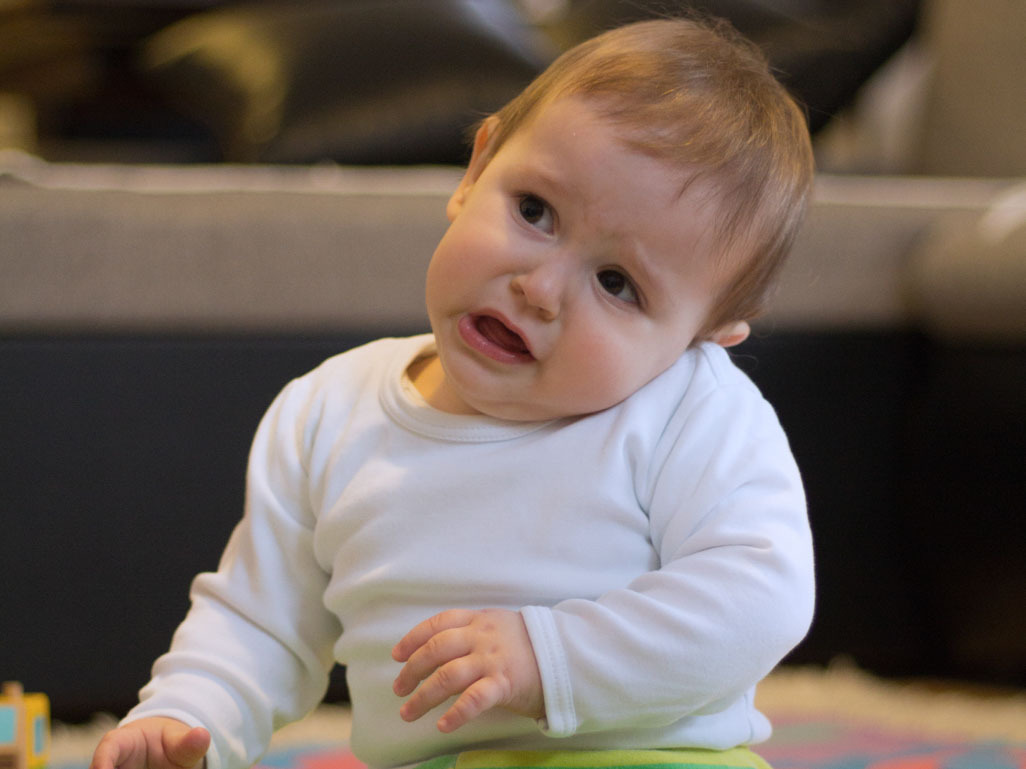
499	334
491	336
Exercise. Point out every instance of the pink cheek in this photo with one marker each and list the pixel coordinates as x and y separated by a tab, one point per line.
451	266
598	366
466	252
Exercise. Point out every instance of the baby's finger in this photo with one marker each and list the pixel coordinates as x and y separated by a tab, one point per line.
417	637
484	694
439	649
111	752
449	680
187	750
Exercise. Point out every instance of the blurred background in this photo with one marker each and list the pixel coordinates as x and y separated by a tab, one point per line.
201	199
355	81
925	86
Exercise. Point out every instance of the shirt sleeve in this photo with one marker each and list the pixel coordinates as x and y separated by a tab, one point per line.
255	648
733	594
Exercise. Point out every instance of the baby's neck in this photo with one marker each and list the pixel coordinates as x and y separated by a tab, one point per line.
428	377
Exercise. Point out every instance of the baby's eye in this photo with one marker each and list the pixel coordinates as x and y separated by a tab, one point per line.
619	285
536	212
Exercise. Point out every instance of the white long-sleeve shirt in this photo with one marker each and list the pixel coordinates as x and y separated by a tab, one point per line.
658	551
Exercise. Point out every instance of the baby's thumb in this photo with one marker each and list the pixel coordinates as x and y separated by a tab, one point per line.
186	749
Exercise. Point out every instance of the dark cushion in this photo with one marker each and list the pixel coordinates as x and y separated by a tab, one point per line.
397	81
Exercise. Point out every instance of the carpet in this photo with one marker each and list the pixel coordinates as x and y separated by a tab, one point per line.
834	718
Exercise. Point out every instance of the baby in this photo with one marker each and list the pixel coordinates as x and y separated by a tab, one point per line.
565	513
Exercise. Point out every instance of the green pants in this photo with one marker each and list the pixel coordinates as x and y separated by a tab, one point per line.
735	758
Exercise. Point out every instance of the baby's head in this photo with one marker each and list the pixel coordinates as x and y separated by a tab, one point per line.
638	197
698	95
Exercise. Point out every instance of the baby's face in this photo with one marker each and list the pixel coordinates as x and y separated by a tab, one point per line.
573	271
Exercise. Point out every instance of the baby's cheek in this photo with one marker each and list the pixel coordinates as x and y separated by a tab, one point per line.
462	260
603	374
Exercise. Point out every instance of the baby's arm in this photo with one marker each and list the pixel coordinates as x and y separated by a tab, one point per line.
255	649
152	743
733	593
485	657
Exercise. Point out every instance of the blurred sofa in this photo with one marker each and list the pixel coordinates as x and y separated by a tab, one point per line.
354	81
149	314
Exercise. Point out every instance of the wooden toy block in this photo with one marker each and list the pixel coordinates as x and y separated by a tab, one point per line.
24	728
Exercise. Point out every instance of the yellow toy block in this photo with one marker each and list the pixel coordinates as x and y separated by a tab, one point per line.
24	728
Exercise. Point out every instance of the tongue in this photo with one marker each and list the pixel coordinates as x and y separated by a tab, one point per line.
496	332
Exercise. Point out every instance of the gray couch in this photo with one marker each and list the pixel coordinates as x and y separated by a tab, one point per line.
222	249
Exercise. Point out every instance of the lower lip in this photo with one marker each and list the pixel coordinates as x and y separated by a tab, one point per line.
476	341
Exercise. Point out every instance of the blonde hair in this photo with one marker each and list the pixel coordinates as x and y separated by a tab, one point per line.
697	94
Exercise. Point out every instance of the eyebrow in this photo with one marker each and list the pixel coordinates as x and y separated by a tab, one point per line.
543	176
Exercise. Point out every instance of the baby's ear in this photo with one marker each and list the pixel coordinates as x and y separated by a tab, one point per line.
479	158
731	334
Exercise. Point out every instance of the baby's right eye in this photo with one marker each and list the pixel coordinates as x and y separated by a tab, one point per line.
536	212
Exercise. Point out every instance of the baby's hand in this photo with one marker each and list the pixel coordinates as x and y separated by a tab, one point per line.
485	657
152	743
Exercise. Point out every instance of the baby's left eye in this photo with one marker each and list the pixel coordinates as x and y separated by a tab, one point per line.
619	285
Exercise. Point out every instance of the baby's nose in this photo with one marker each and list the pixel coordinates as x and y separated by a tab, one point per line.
542	288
